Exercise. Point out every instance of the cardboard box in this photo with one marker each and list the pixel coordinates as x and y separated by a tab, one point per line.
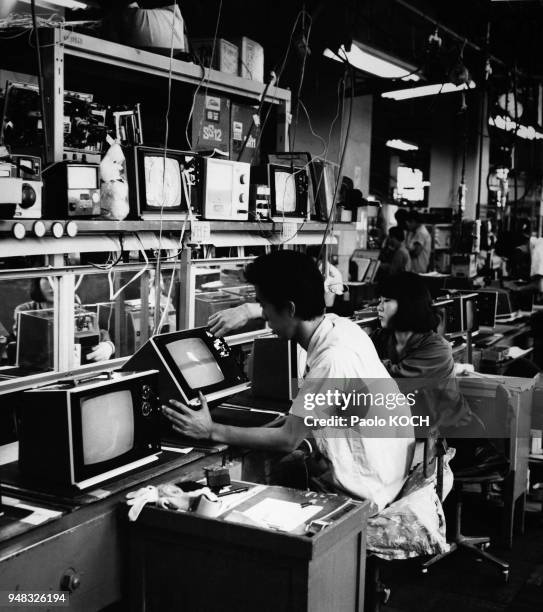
225	57
251	59
243	130
211	123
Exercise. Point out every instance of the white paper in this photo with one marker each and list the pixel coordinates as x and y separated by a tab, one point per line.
176	449
280	514
38	516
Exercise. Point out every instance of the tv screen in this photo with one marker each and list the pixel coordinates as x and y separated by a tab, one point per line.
163	182
81	177
410	184
195	362
219	183
107	426
285	191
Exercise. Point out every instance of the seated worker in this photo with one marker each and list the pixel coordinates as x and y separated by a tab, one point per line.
227	321
42	298
290	290
418	242
407	341
394	256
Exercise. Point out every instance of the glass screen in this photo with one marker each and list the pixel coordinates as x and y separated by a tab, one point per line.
219	183
285	192
107	426
163	187
195	362
81	177
410	184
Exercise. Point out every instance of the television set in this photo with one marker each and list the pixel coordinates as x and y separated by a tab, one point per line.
487	303
289	187
190	361
81	433
449	312
470	312
358	266
165	183
326	177
225	189
301	161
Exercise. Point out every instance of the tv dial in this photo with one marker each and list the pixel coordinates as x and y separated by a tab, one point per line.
242	197
242	179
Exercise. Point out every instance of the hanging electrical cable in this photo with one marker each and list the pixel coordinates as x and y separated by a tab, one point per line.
47	153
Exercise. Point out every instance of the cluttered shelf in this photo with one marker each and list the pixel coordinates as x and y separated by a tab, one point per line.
87	47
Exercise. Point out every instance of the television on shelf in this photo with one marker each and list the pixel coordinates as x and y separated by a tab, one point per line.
79	434
163	183
289	193
191	361
487	306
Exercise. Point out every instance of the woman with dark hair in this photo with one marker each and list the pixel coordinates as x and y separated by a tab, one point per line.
407	342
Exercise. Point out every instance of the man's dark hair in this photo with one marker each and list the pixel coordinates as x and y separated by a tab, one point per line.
289	276
401	216
396	232
413	215
415	312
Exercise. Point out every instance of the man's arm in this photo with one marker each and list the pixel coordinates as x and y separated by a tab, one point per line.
226	321
198	424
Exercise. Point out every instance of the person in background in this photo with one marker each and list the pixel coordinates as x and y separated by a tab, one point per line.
394	256
418	243
407	342
42	298
401	217
226	321
290	290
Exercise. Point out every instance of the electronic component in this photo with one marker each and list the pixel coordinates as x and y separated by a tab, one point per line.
72	189
259	203
128	127
226	189
325	179
217	477
20	187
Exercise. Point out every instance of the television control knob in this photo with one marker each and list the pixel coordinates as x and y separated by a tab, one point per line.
70	581
242	179
242	197
39	229
19	231
96	197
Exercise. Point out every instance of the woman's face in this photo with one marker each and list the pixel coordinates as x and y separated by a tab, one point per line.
386	309
47	290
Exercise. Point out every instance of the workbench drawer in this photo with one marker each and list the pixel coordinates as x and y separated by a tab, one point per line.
85	559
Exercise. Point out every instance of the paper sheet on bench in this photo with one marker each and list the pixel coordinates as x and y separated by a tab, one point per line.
280	514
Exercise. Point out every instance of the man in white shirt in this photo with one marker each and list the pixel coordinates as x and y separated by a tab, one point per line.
290	290
418	243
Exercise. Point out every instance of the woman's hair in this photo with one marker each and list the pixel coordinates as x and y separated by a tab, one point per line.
397	232
36	294
289	276
415	312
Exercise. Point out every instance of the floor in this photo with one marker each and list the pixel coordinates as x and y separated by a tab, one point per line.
460	583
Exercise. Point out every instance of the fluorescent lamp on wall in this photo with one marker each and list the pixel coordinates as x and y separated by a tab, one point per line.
69	4
427	90
396	143
375	62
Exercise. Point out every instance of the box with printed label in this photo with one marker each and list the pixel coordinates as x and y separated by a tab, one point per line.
211	124
244	133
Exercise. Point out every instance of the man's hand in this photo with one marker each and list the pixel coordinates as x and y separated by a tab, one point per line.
226	321
189	422
101	351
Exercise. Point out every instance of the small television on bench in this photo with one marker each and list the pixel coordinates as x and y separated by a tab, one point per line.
79	434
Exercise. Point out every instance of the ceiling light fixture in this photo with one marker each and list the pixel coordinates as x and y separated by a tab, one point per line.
375	62
427	90
401	145
69	4
509	125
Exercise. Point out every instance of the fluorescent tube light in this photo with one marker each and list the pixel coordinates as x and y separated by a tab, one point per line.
69	4
396	143
426	90
375	62
509	125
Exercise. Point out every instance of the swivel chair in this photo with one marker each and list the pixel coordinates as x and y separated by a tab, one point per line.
485	476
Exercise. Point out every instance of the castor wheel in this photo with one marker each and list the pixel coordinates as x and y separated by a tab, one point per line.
424	570
485	545
505	576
